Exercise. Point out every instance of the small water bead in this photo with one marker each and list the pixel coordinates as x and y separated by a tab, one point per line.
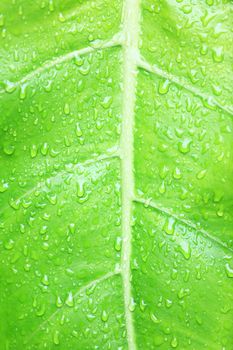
184	249
67	109
8	149
74	333
9	244
217	90
61	18
229	270
162	188
10	87
22	228
154	318
48	86
174	342
169	226
43	229
78	60
218	54
45	280
186	9
2	20
104	316
164	87
142	305
71	228
132	305
117	244
44	149
70	300
23	92
52	198
106	103
51	5
201	174
85	69
3	187
56	338
184	146
59	302
41	311
78	130
33	151
80	189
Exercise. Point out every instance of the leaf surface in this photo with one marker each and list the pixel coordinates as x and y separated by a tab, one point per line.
116	167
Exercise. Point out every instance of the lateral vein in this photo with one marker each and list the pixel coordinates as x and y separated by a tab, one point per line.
188	223
142	63
116	40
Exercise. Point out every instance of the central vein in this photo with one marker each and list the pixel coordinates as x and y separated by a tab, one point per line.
131	33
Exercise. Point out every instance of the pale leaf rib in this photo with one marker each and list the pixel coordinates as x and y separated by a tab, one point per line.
191	225
79	292
131	15
142	63
116	40
40	185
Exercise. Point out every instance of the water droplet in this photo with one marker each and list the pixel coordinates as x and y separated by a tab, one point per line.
168	303
45	280
78	130
59	302
9	87
78	60
22	228
106	103
44	149
164	86
61	18
23	92
52	198
162	188
169	226
142	305
67	109
104	316
2	20
117	244
71	227
51	5
132	305
56	338
218	54
33	151
8	149
185	249
9	244
85	69
201	174
75	334
3	187
80	188
70	300
41	311
177	174
184	146
174	342
229	270
154	318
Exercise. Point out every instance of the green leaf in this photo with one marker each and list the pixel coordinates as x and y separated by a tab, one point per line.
116	167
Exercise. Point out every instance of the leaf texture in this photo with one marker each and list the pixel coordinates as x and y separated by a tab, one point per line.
116	167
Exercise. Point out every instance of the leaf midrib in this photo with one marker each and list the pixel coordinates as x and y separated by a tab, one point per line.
131	22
